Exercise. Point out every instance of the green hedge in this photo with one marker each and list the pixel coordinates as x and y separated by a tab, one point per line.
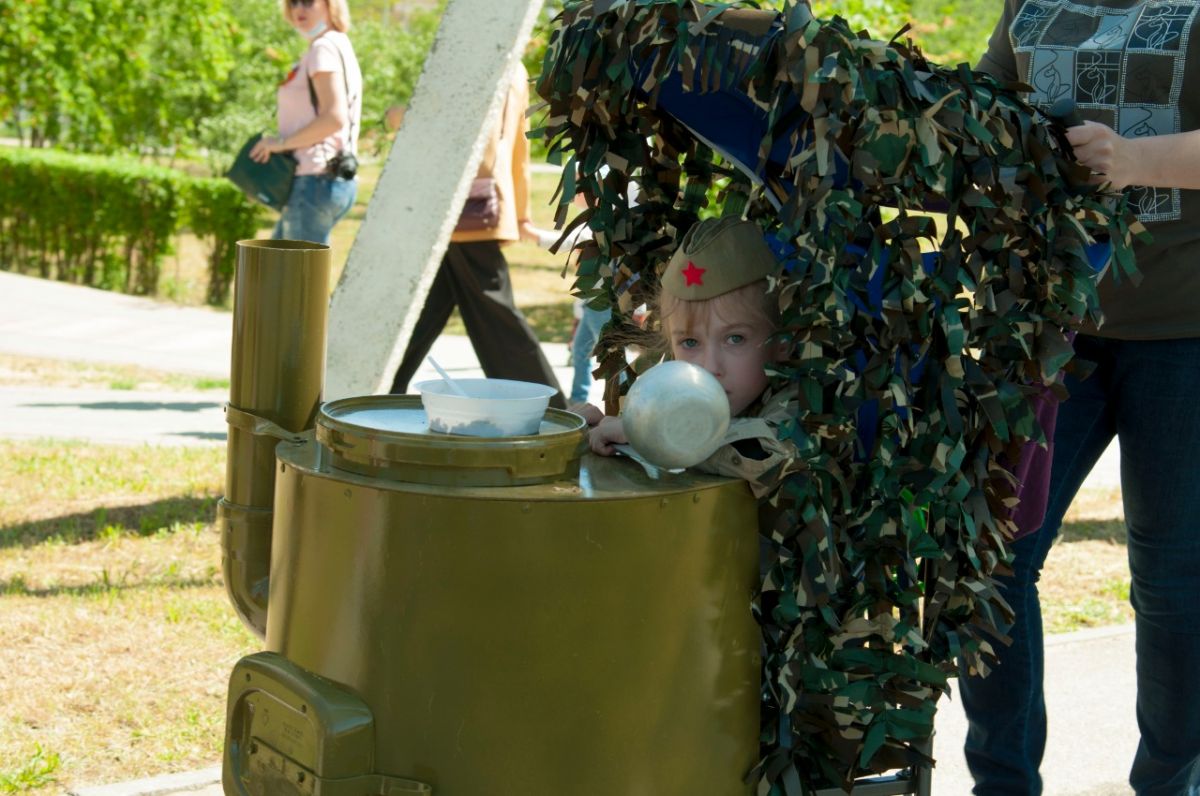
109	222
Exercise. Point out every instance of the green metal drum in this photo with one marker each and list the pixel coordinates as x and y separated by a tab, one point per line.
492	617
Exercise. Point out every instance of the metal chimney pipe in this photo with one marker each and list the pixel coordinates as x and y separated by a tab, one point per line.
280	309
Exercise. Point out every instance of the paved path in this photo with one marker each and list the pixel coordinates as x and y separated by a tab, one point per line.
42	318
1090	703
39	318
178	418
117	417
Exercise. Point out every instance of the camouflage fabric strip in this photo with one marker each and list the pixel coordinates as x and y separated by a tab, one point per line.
909	383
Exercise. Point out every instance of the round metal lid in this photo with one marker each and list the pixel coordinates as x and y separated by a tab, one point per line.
388	436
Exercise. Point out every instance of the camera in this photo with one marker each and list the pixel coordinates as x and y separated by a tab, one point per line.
343	165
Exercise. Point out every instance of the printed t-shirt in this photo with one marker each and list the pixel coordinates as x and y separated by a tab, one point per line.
1133	65
296	107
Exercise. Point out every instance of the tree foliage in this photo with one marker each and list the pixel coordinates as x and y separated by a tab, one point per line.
882	18
955	31
199	77
98	76
151	77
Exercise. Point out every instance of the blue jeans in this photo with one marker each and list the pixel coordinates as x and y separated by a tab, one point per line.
1147	393
586	335
315	204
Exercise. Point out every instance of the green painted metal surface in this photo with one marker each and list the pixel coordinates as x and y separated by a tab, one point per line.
387	436
281	298
586	634
292	732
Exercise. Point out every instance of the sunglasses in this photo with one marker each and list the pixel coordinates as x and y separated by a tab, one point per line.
304	3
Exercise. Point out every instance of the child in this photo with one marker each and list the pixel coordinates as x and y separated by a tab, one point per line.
716	311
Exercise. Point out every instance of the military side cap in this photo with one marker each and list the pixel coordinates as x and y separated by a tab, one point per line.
718	255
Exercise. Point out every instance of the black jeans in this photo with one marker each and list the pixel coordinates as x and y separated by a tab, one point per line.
1147	393
474	277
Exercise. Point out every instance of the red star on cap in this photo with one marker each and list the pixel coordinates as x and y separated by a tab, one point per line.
693	275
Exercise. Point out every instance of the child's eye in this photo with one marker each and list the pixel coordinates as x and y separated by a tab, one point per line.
689	342
736	339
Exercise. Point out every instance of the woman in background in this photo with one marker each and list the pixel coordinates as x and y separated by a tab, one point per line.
319	110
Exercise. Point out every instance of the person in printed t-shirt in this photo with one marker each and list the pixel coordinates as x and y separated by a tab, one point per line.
319	108
1132	68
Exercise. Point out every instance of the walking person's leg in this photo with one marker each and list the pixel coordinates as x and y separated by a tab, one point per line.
1006	711
503	340
315	204
1159	429
586	335
291	217
430	323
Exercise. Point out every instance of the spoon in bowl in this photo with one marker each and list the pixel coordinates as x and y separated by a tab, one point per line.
454	386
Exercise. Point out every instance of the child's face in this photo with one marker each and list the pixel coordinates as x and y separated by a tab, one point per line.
735	350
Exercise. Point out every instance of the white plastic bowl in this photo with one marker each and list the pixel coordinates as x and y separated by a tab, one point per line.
492	408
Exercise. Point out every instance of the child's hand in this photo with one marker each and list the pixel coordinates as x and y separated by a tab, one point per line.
588	412
608	432
605	431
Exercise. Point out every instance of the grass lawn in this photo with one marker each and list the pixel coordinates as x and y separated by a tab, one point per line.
1086	580
20	371
118	637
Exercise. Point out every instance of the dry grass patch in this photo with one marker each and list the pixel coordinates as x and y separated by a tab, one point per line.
119	679
19	371
119	638
1086	579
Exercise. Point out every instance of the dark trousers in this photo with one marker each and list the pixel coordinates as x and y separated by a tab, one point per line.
1147	393
474	277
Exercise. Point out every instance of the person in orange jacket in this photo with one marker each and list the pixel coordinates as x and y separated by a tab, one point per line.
474	273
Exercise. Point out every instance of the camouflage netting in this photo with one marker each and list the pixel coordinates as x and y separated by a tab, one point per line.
910	377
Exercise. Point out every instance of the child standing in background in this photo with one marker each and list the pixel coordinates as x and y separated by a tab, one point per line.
715	309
